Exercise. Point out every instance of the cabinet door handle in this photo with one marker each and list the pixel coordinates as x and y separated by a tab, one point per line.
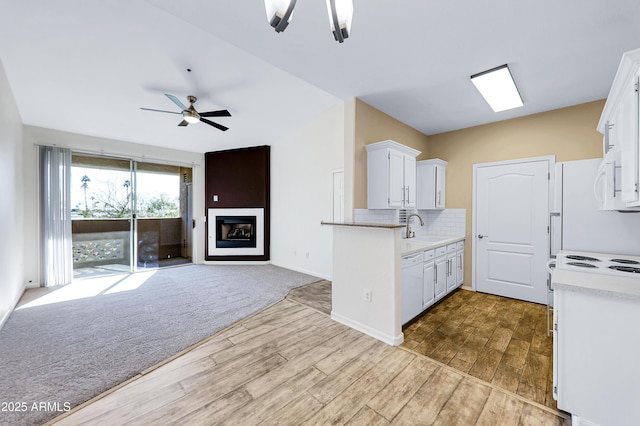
408	195
435	274
460	261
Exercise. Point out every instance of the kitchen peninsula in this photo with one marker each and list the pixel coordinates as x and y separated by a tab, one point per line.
367	276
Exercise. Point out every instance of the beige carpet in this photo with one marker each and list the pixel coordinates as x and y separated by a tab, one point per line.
58	355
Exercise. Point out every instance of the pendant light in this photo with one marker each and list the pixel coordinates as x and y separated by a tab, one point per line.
279	13
340	17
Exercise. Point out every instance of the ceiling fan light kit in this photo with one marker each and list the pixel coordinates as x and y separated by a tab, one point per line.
191	116
279	14
498	88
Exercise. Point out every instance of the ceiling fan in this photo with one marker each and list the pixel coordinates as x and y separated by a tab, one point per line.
190	115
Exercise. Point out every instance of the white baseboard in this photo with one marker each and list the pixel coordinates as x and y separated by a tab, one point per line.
578	421
304	271
5	317
238	262
466	287
13	305
383	337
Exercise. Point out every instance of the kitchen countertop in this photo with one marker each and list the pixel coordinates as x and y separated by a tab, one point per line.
364	224
600	284
417	244
407	245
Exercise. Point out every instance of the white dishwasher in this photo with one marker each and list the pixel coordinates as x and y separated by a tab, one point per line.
412	285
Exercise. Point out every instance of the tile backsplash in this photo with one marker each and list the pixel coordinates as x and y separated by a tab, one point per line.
377	216
442	222
436	222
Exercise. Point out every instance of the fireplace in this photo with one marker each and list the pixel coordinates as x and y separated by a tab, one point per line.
236	232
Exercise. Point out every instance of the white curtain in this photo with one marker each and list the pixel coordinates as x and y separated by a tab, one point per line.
55	216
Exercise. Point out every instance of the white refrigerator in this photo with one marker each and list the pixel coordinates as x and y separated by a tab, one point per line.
576	222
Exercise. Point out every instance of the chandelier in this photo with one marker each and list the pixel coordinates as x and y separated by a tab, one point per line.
340	15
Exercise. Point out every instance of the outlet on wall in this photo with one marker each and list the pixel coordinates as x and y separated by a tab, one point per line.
367	295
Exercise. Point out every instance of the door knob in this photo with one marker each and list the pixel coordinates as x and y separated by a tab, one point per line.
482	236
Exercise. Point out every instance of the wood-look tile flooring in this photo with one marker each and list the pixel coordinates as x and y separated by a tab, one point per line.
291	364
317	295
498	340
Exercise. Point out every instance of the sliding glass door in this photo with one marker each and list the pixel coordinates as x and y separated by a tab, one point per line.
128	215
161	214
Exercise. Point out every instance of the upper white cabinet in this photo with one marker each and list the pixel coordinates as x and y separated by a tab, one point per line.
431	184
391	175
619	125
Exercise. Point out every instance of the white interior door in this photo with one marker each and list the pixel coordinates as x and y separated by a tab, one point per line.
511	229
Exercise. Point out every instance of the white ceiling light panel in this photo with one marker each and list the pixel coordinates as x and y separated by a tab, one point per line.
498	88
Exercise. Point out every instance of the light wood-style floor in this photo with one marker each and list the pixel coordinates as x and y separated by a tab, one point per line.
496	339
291	364
317	295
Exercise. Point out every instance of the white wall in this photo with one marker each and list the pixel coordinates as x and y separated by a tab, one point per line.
301	189
38	135
302	193
11	201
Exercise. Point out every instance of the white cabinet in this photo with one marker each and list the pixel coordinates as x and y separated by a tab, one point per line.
429	275
391	175
459	263
441	272
452	266
429	295
431	184
628	118
619	125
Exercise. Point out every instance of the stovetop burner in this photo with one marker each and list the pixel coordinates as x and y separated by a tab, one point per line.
629	269
626	261
582	258
585	265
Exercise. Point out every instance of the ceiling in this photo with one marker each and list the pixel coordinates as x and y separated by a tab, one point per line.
87	66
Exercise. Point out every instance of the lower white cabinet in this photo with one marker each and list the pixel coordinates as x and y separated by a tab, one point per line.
459	263
452	277
429	285
441	272
429	276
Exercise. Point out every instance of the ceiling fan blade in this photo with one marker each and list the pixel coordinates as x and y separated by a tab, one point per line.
160	110
183	123
176	101
219	113
216	125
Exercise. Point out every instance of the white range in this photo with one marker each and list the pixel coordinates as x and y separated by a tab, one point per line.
596	373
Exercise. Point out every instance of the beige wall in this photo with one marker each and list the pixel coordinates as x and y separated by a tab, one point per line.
372	125
568	133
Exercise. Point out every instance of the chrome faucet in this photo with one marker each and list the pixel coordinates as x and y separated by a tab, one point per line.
410	233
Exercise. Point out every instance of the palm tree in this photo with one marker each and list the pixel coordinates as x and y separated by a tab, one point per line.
85	184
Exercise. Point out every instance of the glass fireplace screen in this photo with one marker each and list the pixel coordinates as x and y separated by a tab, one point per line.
236	231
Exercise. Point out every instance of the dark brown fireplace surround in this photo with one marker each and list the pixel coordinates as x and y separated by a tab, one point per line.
237	179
